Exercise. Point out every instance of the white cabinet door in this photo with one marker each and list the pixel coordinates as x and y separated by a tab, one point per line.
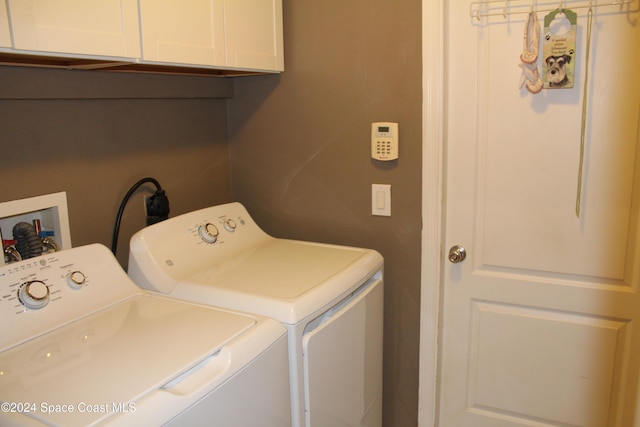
5	35
101	28
243	34
173	32
254	34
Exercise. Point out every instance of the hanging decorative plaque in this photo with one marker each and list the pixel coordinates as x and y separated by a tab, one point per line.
559	48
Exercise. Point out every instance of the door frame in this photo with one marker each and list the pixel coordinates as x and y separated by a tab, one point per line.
433	194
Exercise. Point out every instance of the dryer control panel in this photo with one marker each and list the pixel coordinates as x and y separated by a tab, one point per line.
164	253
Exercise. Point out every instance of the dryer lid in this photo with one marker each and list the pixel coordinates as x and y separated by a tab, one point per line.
113	357
280	269
287	280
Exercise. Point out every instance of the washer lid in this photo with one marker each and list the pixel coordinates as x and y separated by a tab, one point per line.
113	357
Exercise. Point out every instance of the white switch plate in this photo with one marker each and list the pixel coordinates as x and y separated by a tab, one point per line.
381	199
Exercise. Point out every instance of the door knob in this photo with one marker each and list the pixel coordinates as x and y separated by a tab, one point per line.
457	254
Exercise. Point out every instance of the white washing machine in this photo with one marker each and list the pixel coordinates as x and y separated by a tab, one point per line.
81	345
329	297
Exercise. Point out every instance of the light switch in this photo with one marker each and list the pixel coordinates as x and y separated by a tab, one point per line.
381	199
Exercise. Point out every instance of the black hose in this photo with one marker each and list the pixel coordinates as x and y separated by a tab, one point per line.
28	243
116	228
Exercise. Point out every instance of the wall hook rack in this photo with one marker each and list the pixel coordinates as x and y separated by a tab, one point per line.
505	8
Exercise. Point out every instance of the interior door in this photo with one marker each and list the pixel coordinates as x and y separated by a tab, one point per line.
540	321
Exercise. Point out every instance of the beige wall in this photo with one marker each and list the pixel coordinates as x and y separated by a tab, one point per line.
300	154
95	134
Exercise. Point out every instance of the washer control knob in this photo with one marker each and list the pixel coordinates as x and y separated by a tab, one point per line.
34	294
76	280
230	225
208	232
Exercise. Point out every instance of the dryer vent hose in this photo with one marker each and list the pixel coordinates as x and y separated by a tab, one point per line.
28	242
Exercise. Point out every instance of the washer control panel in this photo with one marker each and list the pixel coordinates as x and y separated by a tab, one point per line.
216	229
230	225
34	294
208	232
45	292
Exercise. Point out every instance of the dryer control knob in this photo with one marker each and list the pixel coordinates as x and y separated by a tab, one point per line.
34	294
208	232
76	279
230	225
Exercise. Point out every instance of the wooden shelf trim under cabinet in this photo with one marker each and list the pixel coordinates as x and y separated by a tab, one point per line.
105	65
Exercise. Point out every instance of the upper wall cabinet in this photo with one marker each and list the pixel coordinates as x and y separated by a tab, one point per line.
104	28
236	34
217	37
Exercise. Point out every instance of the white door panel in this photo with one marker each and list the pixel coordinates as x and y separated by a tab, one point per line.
508	373
345	349
540	320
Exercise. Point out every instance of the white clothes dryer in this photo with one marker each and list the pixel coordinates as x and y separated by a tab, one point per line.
82	345
330	298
